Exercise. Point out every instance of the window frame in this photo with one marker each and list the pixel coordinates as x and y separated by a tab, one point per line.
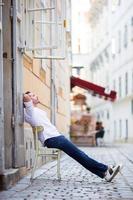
51	49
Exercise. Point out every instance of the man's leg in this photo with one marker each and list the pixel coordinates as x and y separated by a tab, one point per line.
96	139
69	148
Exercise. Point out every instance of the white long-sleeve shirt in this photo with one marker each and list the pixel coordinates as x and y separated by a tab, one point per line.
37	117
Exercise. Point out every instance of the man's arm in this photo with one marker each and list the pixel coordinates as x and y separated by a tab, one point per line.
28	104
93	132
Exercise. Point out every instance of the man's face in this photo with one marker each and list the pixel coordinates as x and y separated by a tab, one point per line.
34	98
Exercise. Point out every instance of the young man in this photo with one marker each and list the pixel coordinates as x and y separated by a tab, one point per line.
99	132
51	138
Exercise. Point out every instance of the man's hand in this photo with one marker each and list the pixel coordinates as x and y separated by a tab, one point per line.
92	132
26	98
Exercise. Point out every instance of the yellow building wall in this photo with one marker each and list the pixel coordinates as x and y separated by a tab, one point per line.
63	90
38	81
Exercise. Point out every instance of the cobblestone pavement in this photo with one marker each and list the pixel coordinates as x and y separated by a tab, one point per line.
77	183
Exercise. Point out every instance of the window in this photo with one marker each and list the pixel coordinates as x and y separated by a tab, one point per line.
47	29
126	136
132	106
119	86
102	114
19	6
113	46
115	4
119	42
98	116
79	45
132	81
126	83
19	24
119	2
114	84
132	29
115	129
108	116
120	128
125	36
28	25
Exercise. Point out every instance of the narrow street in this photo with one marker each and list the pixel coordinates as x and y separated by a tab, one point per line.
66	66
77	183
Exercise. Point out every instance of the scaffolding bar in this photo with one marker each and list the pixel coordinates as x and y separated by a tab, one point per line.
40	48
49	22
39	9
49	57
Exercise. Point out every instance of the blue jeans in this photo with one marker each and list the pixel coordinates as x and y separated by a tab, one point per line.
62	143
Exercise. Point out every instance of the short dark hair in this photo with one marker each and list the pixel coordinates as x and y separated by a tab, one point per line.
27	92
97	122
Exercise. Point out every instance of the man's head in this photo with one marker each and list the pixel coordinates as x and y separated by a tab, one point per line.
33	97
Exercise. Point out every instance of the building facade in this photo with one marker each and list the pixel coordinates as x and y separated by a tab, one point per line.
35	55
111	64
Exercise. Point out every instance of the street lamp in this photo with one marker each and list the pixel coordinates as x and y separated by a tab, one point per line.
78	68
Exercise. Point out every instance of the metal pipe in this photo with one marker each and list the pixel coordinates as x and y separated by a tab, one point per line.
0	26
2	147
34	27
13	38
53	114
40	48
49	22
49	57
17	88
39	9
56	23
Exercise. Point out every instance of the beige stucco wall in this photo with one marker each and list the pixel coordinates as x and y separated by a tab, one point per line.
38	80
37	75
63	88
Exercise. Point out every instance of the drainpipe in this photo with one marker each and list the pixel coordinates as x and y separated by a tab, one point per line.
53	92
17	108
53	110
13	38
2	150
53	117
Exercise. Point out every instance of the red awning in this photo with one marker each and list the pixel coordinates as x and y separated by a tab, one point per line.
94	89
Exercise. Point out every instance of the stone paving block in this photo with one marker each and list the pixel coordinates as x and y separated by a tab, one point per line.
77	183
6	194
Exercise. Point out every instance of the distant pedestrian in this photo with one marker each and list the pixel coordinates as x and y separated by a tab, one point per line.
52	138
99	132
